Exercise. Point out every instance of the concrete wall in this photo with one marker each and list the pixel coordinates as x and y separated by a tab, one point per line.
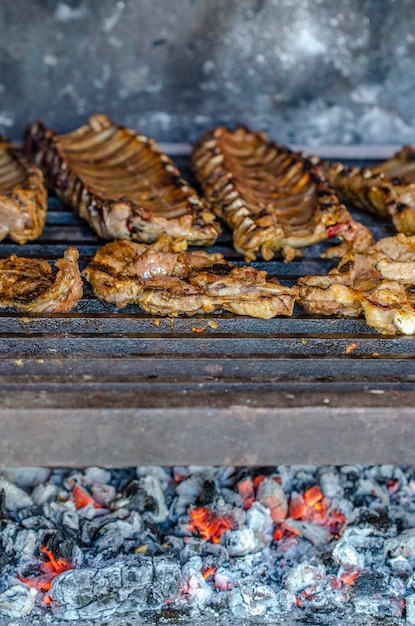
306	71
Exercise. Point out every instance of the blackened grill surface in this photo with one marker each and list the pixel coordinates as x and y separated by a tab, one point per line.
122	387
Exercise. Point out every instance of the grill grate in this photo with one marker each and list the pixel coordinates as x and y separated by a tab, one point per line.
135	378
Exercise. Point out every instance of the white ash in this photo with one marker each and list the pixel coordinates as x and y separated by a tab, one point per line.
15	498
26	477
94	593
269	565
17	601
241	542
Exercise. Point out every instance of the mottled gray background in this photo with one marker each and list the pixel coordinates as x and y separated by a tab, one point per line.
306	71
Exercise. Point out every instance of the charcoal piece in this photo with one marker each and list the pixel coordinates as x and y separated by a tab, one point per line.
207	493
370	583
15	498
4	514
378	520
26	477
119	588
17	601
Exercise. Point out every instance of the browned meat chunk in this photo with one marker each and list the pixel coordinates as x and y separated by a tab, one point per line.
387	190
379	282
270	197
164	282
31	285
120	182
23	196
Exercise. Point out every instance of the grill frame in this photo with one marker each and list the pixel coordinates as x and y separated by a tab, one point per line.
107	387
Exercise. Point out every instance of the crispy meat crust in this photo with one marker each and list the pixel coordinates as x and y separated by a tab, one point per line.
32	286
270	197
23	196
164	282
379	283
387	190
120	182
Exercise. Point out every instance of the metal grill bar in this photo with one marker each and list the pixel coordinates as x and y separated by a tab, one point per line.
79	388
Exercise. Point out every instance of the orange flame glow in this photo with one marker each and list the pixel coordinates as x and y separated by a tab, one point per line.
50	568
209	525
209	571
81	498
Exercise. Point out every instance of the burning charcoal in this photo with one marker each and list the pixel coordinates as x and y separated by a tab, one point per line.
96	475
70	519
16	498
90	528
331	485
377	521
113	535
120	588
44	493
26	477
347	556
188	491
252	598
376	594
195	590
7	536
258	519
241	542
160	473
400	566
156	509
17	601
25	543
304	575
103	494
402	545
318	535
271	495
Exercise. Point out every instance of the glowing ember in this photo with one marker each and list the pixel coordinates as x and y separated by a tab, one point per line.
82	498
209	571
210	525
50	568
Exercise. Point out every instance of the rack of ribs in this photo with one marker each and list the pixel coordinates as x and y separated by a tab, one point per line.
388	189
121	183
272	198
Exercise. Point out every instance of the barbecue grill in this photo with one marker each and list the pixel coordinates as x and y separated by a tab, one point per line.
111	387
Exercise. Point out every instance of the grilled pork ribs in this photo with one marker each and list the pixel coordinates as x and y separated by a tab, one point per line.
32	286
164	282
120	182
271	198
23	196
378	282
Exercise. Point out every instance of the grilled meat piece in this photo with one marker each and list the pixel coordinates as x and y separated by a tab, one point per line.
387	190
23	196
31	285
120	182
270	197
164	282
378	282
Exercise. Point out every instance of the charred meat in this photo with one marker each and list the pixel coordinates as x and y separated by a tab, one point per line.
387	190
120	182
271	198
31	284
164	282
23	196
378	282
